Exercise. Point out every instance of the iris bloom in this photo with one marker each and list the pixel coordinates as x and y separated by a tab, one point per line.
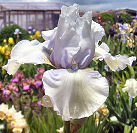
131	87
75	91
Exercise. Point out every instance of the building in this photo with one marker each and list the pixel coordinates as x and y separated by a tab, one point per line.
40	15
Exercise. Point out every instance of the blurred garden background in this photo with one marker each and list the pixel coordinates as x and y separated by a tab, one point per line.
24	90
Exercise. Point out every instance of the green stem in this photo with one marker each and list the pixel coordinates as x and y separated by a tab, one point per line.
66	127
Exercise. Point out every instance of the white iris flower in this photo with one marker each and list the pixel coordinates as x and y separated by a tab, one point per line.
75	91
131	87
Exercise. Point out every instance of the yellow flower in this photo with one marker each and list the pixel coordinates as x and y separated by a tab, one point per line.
21	123
0	48
3	111
10	41
6	46
17	130
103	109
3	50
2	115
37	34
134	130
31	37
2	69
4	41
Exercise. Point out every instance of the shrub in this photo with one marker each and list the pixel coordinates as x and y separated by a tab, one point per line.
126	17
107	17
8	31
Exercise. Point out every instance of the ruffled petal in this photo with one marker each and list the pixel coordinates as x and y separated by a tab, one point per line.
74	32
119	62
49	34
114	62
75	94
101	52
26	52
11	67
98	30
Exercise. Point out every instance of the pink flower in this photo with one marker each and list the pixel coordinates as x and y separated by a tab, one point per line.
39	103
15	80
17	77
6	92
40	70
38	84
11	87
27	87
38	76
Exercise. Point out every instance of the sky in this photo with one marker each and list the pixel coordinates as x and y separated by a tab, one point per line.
94	4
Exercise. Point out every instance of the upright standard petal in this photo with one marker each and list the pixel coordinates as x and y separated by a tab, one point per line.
25	52
98	30
50	37
73	40
75	94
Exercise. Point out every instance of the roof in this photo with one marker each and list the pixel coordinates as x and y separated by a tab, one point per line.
30	6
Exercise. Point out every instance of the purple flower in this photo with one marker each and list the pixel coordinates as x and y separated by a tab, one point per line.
29	28
39	103
125	27
17	77
27	87
38	76
39	95
15	80
120	25
17	90
34	30
135	17
40	70
6	92
38	84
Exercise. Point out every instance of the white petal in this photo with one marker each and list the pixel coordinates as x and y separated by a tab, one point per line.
12	67
131	59
131	87
75	94
104	46
101	52
48	35
98	30
74	32
118	62
26	52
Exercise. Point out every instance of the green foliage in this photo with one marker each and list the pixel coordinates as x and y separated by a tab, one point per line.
8	31
127	18
107	17
47	122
